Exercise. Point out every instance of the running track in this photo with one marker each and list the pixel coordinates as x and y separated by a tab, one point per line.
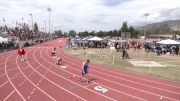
40	79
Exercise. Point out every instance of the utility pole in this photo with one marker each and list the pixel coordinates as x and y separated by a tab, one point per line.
49	10
146	15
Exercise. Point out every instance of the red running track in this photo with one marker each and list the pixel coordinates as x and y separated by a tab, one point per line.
40	79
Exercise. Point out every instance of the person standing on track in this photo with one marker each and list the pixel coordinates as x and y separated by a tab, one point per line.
85	69
21	53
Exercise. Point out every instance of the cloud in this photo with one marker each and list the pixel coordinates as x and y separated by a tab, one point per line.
82	15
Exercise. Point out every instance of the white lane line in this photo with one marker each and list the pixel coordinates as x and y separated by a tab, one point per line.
96	82
10	80
108	70
32	82
52	81
70	80
3	84
9	95
123	84
126	85
135	82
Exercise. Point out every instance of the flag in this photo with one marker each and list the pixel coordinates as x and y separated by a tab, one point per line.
4	19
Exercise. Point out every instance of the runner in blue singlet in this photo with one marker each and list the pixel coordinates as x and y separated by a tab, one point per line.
85	68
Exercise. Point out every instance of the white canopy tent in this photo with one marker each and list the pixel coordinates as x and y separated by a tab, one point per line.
95	39
142	37
168	42
3	39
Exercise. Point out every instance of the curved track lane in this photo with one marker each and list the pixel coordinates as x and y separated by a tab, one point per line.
39	78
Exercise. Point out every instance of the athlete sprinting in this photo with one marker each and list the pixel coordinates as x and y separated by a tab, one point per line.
85	68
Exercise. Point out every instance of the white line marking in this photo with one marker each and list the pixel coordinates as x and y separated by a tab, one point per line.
33	83
135	82
117	82
127	86
68	79
98	83
3	84
9	95
98	67
53	82
10	80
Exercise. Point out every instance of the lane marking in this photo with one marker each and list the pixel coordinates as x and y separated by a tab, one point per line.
100	89
127	86
98	67
32	82
9	95
96	82
3	84
52	81
10	80
68	79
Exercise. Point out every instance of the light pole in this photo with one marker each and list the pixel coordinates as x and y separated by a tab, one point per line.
31	20
52	29
49	10
146	15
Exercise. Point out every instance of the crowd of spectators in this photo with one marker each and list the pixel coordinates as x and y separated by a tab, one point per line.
21	33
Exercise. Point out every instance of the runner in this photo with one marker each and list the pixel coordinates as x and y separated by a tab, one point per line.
59	61
85	68
53	53
21	53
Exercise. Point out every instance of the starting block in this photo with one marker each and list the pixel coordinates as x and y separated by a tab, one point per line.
63	66
54	57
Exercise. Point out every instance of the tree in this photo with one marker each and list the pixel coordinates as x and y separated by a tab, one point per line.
58	33
72	33
36	29
124	27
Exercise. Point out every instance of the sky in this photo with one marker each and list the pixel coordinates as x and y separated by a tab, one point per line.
90	15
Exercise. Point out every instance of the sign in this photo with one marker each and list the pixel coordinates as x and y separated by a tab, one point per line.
100	89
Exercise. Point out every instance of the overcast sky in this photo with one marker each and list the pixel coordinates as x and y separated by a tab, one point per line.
81	15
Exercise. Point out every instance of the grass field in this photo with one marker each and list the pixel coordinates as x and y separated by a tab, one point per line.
105	57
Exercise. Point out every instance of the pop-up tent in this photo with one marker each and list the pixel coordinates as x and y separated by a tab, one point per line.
95	39
142	37
168	42
3	39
